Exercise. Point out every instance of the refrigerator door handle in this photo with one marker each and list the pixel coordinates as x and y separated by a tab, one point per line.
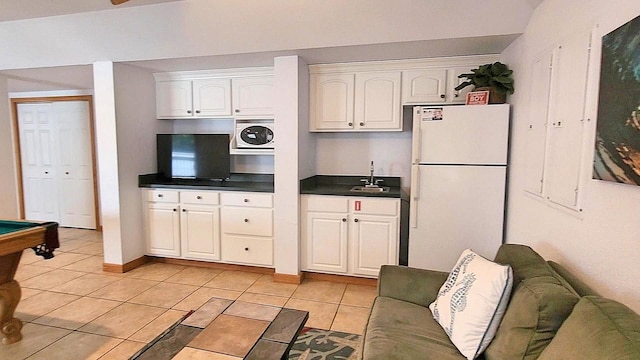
415	148
415	196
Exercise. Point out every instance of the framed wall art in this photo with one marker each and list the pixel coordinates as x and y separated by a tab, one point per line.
617	145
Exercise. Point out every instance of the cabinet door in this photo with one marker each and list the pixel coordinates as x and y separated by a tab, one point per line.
332	101
173	99
377	101
253	96
424	86
374	242
212	97
200	232
458	96
163	229
326	242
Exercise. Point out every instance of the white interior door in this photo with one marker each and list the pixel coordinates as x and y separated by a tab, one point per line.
37	152
75	169
57	162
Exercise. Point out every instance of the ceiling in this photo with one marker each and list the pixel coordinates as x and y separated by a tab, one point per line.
29	9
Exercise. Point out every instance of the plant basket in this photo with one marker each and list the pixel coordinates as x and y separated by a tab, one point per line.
494	96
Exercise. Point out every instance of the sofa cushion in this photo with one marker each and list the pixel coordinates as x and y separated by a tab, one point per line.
537	309
597	328
527	264
401	330
472	301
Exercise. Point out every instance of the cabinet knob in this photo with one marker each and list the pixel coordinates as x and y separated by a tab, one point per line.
442	96
66	173
175	210
46	172
159	195
237	111
350	124
361	124
355	220
184	210
344	219
246	200
456	94
199	197
246	220
188	111
246	249
197	111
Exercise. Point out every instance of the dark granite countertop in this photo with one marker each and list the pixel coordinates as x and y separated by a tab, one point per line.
236	182
341	185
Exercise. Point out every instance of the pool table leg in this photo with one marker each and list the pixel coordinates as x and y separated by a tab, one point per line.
10	326
10	293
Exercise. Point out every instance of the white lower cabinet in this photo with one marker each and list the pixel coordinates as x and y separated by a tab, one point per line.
163	229
200	232
210	226
247	228
349	235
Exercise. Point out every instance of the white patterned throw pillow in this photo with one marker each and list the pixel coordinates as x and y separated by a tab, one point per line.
471	302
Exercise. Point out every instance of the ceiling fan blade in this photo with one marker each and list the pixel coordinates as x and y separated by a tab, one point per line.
118	2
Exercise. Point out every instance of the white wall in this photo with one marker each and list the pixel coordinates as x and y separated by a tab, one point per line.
291	107
107	159
203	27
9	194
352	153
136	127
600	244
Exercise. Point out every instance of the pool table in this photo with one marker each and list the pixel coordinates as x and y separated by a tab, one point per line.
16	236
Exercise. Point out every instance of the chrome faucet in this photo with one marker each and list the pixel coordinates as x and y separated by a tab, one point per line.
371	181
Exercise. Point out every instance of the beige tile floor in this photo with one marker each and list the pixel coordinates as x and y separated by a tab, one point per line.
71	309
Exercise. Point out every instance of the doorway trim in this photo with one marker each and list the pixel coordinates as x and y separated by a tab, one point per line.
16	137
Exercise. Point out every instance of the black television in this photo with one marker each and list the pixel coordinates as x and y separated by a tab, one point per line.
194	156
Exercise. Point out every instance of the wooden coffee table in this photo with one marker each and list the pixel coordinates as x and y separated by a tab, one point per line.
244	330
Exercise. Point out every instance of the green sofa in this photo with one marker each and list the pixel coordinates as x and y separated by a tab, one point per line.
549	317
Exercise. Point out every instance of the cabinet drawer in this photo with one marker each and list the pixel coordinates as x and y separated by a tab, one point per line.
247	199
165	196
337	204
247	221
199	197
369	206
247	250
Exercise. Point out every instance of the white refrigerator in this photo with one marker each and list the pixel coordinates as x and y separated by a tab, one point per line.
458	177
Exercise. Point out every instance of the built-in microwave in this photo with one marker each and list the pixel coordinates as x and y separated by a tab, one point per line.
254	135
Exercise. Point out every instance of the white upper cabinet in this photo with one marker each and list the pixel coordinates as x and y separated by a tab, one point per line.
369	96
332	101
253	96
246	92
212	97
359	101
173	99
424	86
197	98
433	86
377	101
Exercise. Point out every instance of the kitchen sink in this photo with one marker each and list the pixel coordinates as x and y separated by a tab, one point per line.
370	189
